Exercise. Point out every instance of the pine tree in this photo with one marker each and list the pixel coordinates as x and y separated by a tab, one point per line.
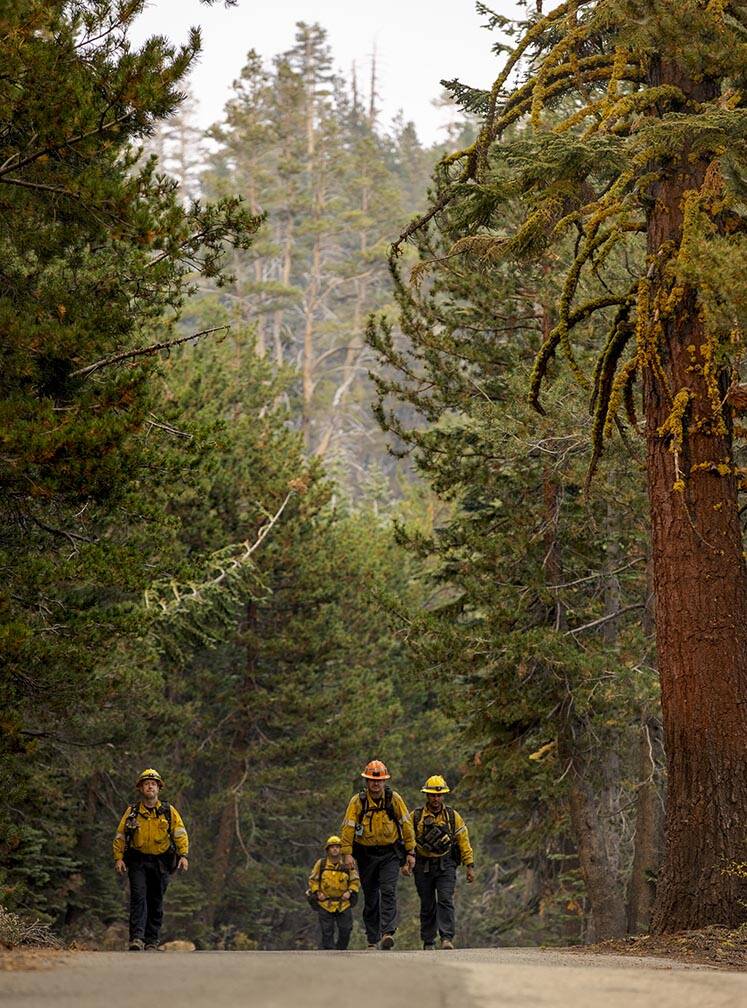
632	142
98	252
304	148
531	613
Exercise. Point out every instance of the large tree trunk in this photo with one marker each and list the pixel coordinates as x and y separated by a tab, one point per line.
593	808
222	853
649	822
700	587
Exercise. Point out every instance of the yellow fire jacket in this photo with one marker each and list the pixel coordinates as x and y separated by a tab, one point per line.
334	882
152	833
378	830
461	836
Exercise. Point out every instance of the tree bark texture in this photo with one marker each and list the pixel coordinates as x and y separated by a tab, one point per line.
649	829
594	811
700	588
222	854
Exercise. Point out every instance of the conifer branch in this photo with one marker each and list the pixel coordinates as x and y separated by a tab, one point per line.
85	372
39	186
416	225
12	165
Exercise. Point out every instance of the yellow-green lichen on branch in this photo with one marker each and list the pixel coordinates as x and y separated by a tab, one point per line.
674	425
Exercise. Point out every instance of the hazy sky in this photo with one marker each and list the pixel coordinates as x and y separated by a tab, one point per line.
418	42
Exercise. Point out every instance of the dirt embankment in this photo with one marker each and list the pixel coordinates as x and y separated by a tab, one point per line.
712	946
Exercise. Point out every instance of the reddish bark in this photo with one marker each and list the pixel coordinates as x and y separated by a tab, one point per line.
701	595
222	855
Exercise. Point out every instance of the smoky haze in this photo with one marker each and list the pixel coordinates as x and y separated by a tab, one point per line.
417	44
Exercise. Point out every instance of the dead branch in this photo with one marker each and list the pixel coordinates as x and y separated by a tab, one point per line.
33	733
226	568
605	619
167	427
72	537
40	187
595	576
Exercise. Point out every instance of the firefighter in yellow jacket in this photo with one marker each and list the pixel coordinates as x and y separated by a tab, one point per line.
151	842
377	834
442	844
333	888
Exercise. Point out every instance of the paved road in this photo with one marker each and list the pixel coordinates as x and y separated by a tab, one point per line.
471	978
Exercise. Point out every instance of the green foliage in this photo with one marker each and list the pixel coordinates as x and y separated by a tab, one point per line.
535	584
613	101
98	255
185	587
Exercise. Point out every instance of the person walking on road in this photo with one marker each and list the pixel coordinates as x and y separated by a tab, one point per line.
442	843
151	842
334	887
377	834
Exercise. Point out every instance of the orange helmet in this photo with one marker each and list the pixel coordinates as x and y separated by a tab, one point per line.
375	770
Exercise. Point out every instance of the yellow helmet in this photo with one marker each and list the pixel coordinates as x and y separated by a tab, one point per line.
332	840
149	774
436	785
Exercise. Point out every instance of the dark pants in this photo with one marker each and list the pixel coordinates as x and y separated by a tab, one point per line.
435	880
379	871
343	921
148	881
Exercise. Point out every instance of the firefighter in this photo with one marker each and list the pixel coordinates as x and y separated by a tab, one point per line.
442	843
377	834
151	842
334	886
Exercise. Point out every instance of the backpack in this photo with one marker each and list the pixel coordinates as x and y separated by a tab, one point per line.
311	897
131	826
389	810
448	843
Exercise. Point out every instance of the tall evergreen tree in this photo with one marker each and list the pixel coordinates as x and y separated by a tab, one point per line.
303	149
633	141
538	586
97	251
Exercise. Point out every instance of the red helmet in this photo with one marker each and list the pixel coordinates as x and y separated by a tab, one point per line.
375	770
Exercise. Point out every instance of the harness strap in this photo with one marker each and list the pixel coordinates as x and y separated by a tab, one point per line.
417	815
164	810
323	868
388	808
